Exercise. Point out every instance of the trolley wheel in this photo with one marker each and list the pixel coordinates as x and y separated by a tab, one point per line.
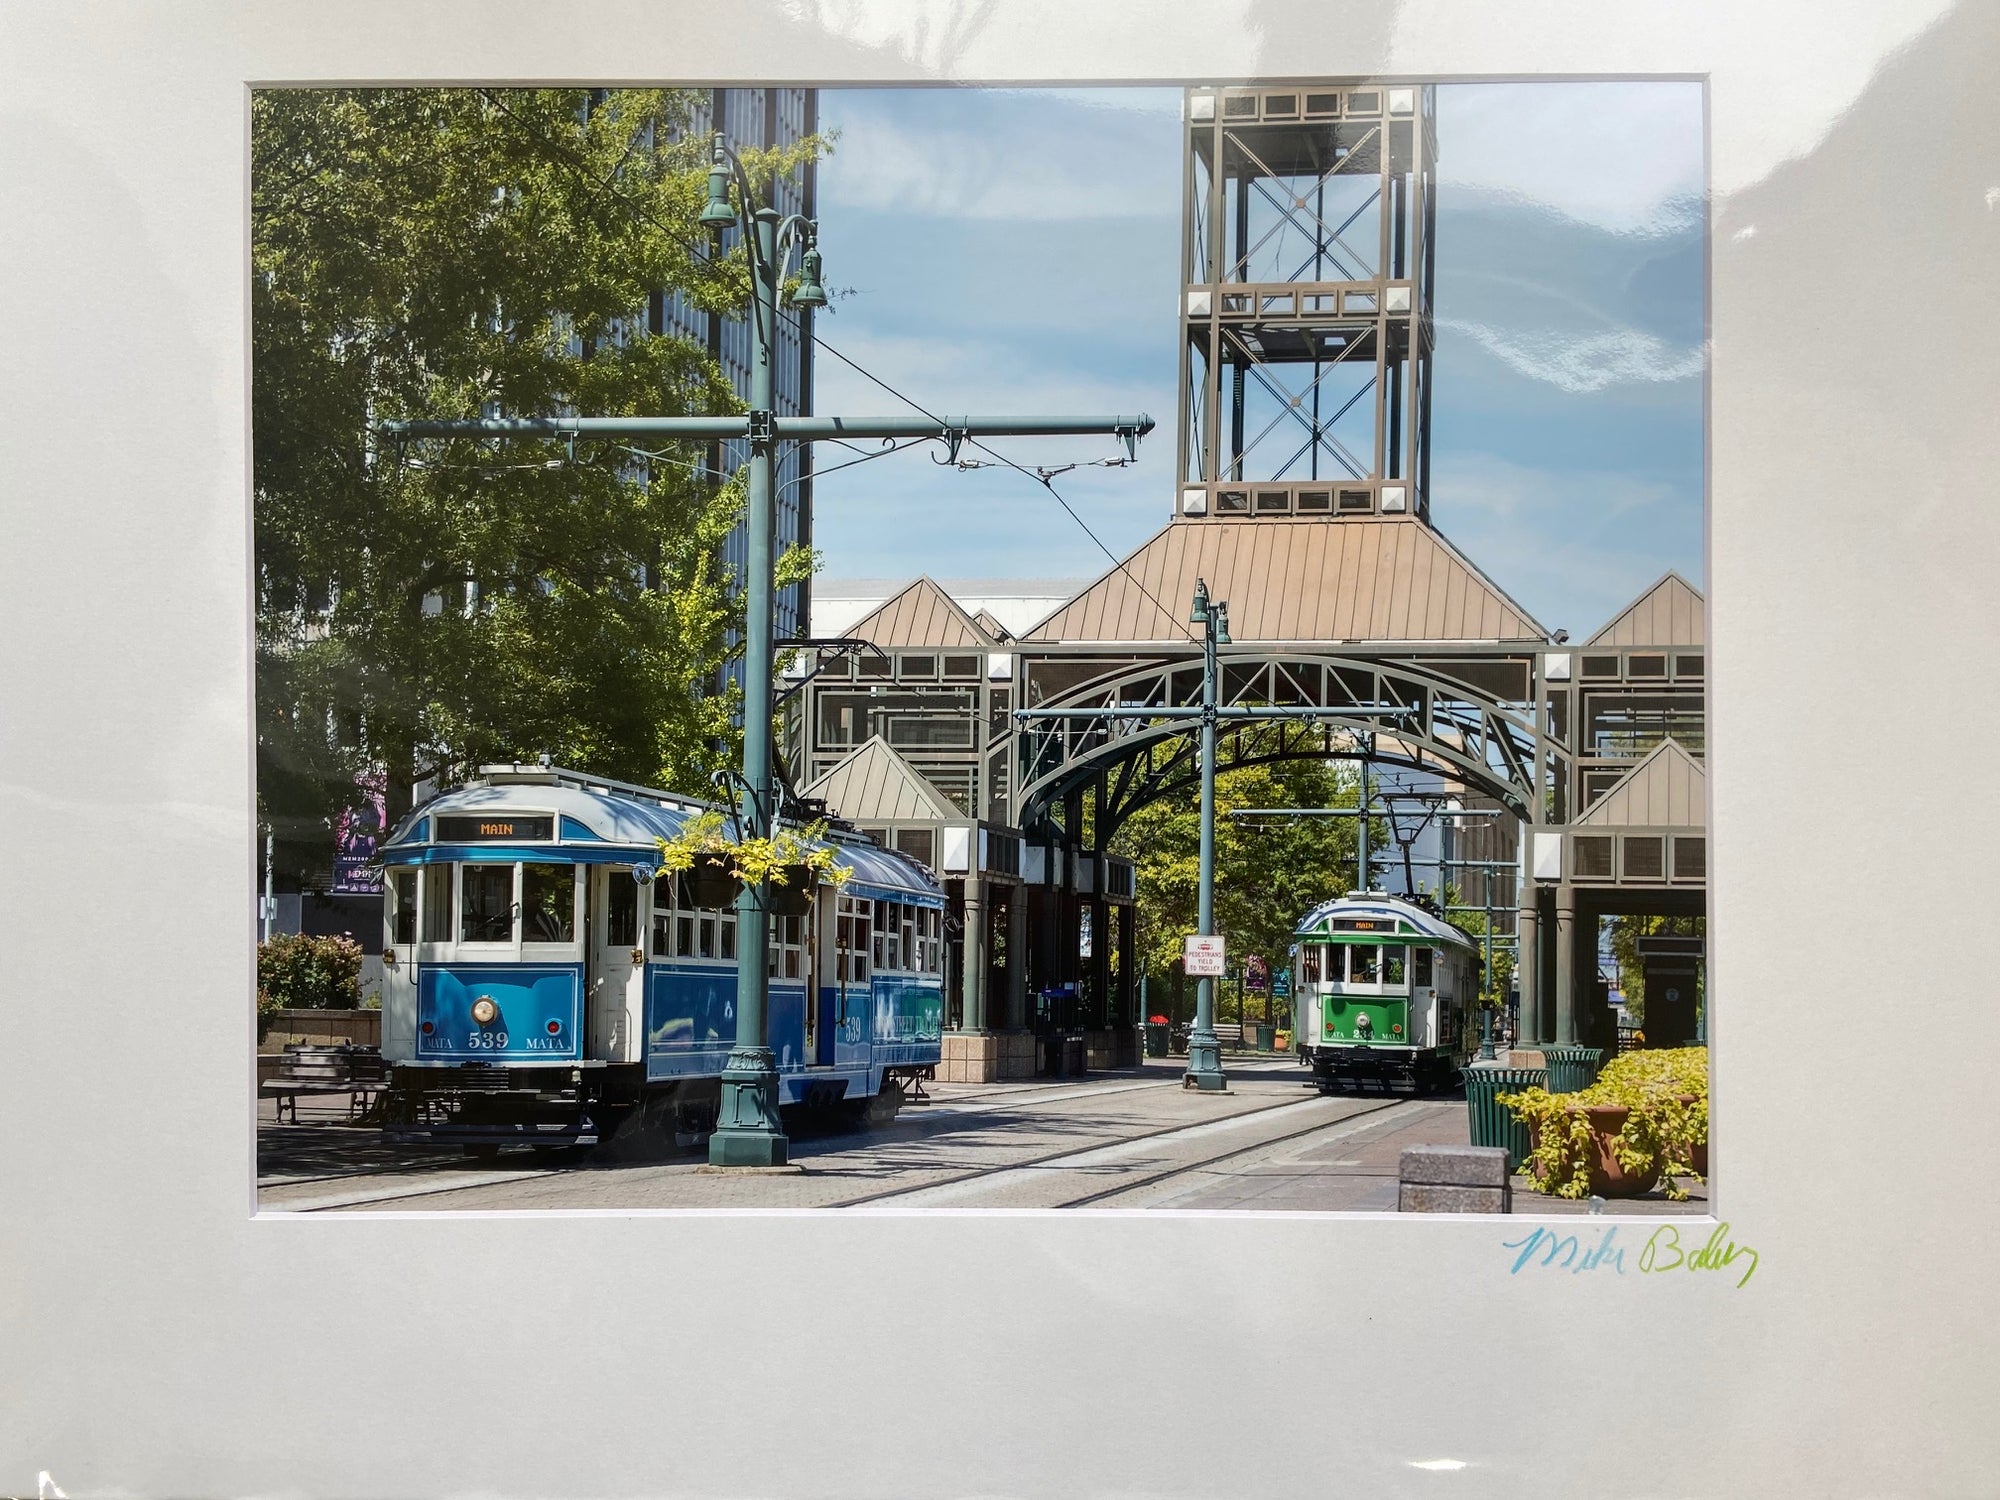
483	1151
881	1109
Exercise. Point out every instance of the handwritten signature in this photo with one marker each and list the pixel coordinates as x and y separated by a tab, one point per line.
1663	1251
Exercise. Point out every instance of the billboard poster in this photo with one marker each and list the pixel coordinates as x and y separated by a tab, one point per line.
355	833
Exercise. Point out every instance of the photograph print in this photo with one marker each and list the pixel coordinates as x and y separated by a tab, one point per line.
973	648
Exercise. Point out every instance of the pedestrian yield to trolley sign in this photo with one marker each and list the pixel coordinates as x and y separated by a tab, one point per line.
1203	955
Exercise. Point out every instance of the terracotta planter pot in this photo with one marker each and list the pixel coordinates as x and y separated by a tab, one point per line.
1697	1154
1608	1179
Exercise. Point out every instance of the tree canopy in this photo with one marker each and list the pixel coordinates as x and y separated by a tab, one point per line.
1266	877
449	253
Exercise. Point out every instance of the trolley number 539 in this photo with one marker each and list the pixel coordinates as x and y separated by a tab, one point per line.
486	1041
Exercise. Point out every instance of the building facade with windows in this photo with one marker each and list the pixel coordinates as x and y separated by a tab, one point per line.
761	118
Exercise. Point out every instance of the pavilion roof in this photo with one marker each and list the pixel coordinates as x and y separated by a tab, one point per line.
873	784
1350	579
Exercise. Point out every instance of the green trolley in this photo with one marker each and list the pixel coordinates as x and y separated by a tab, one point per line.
1384	989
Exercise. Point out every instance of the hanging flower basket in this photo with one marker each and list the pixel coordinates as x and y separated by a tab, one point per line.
789	891
710	882
789	864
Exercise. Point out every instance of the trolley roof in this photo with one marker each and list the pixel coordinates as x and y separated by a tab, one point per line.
1406	918
595	821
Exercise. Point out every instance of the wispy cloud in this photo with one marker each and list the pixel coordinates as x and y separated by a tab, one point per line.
1626	157
1573	545
1038	155
1583	363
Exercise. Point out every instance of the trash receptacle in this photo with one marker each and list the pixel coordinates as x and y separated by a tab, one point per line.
1493	1124
1267	1037
1156	1039
1572	1068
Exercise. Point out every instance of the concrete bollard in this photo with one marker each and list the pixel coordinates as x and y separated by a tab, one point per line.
1453	1180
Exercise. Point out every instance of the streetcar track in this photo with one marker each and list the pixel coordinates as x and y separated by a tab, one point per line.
1185	1169
1030	1163
909	1125
913	1126
490	1179
391	1169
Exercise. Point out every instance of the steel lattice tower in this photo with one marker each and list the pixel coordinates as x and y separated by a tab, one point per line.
1306	301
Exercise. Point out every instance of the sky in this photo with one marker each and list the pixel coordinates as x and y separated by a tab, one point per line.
1017	251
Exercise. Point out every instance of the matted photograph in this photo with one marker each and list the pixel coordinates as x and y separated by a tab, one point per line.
967	748
981	648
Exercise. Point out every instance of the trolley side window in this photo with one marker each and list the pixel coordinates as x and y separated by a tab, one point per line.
486	904
1420	968
886	931
402	888
437	903
1394	966
787	948
548	903
854	920
663	919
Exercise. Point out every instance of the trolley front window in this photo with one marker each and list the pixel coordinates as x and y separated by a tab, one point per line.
486	904
1361	965
402	889
437	903
1393	967
548	903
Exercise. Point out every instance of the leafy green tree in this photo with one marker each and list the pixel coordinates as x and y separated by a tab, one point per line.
1267	875
450	253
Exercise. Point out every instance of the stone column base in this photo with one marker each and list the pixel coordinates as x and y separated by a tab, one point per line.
1017	1054
1524	1057
969	1057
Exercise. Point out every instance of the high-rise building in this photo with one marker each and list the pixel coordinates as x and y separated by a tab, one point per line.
762	119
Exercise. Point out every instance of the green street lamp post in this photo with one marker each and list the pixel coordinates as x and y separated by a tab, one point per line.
749	1133
1204	1069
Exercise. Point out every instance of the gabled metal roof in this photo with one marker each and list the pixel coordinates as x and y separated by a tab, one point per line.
1355	578
922	615
873	784
1668	789
1670	613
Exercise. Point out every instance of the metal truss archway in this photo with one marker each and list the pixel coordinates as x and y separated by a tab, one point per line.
1323	705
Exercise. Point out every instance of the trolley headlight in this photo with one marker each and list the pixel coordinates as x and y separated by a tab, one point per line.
484	1011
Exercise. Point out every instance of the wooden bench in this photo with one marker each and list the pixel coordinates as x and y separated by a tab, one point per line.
357	1072
1228	1033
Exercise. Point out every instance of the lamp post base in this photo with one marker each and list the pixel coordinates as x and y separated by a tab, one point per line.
748	1132
1204	1069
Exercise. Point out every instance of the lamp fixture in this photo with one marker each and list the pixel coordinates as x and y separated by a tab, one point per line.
716	214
